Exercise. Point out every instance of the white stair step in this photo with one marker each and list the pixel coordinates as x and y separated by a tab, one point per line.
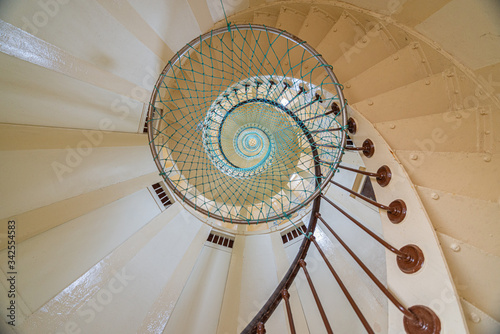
424	97
466	212
451	131
372	48
290	20
316	26
467	174
345	31
267	17
475	274
478	321
399	69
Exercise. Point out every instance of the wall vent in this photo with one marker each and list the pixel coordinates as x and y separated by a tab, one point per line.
145	130
162	195
220	240
295	233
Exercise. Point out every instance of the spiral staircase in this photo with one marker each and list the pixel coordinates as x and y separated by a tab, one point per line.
263	143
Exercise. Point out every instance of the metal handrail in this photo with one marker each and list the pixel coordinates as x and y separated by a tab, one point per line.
299	43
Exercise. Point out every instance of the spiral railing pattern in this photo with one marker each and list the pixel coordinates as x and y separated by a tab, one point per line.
248	124
236	121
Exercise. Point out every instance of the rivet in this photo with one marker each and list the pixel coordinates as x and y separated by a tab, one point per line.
423	61
396	57
370	102
415	45
348	85
483	112
334	29
427	82
434	196
451	74
458	116
475	318
307	25
456	92
487	132
487	159
455	247
392	126
279	24
364	39
413	156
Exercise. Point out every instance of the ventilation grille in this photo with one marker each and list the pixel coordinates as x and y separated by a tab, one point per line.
145	130
162	195
295	233
220	240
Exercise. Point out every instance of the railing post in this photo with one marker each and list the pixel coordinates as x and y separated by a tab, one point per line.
316	297
286	297
383	174
409	258
375	280
343	287
396	211
261	329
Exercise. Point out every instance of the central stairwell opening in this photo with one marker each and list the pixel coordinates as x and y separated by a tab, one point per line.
248	125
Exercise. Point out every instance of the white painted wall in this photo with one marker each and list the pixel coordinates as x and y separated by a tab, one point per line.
36	95
97	44
51	261
199	305
134	286
258	281
40	177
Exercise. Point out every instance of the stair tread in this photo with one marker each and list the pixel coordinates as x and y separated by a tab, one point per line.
372	48
344	31
290	20
447	133
474	285
424	97
316	26
441	170
466	212
399	69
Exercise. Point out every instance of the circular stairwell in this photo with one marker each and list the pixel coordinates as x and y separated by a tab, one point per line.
243	108
431	119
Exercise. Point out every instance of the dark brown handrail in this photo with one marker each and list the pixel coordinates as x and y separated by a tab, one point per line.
261	328
316	297
375	280
343	287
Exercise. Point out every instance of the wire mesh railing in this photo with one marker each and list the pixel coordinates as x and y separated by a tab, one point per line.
247	124
233	124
